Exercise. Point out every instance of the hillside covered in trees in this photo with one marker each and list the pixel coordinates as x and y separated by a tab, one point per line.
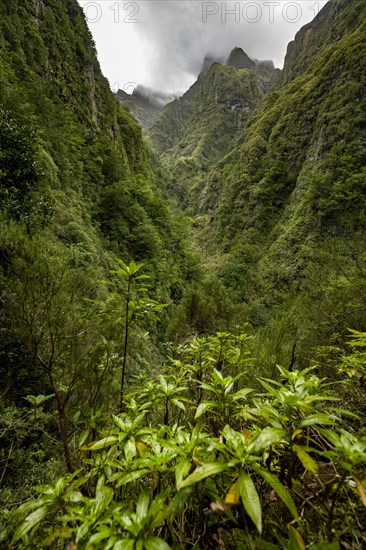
183	311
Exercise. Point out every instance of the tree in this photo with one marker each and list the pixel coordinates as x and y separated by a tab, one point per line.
125	314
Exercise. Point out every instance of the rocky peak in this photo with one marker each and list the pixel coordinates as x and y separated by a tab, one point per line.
239	59
208	61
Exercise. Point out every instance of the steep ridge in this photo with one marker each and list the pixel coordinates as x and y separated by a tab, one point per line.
287	206
77	189
201	127
94	166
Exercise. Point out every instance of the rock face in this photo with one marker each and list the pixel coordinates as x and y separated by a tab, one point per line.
239	59
327	27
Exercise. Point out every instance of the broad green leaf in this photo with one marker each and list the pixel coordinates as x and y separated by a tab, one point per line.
296	540
154	543
202	472
178	403
271	390
103	498
84	436
306	460
127	544
280	489
267	437
314	419
142	506
30	521
250	499
38	399
332	437
130	450
101	444
103	533
181	470
131	476
203	407
241	394
82	531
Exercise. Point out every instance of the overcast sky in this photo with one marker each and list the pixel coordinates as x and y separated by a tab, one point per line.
161	44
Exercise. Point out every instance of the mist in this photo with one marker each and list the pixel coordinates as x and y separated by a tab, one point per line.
162	44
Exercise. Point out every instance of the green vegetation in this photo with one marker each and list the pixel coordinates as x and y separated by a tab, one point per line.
207	390
291	194
194	132
201	459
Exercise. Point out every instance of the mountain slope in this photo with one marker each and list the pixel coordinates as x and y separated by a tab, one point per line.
290	199
78	189
89	149
197	130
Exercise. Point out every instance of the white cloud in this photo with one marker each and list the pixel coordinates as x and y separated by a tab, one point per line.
161	44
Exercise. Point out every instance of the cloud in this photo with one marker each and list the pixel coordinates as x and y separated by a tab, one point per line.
165	45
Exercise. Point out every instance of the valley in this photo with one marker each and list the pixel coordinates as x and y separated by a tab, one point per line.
183	294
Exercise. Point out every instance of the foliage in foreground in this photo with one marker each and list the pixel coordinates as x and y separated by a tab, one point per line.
201	460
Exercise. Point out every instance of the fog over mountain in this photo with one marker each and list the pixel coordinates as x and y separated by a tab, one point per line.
161	44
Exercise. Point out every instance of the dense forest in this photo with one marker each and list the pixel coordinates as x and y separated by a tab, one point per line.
182	309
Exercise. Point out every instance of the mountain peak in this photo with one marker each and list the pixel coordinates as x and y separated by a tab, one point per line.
207	62
239	59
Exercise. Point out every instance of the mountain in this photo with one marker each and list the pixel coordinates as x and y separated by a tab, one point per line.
286	207
195	131
89	150
145	104
78	188
239	59
261	384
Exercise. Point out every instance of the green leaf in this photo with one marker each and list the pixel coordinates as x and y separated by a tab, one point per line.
101	444
179	404
154	543
250	499
130	450
203	407
202	472
267	437
39	399
314	419
181	470
103	498
280	489
296	541
306	460
30	521
126	544
103	533
131	476
241	394
142	506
